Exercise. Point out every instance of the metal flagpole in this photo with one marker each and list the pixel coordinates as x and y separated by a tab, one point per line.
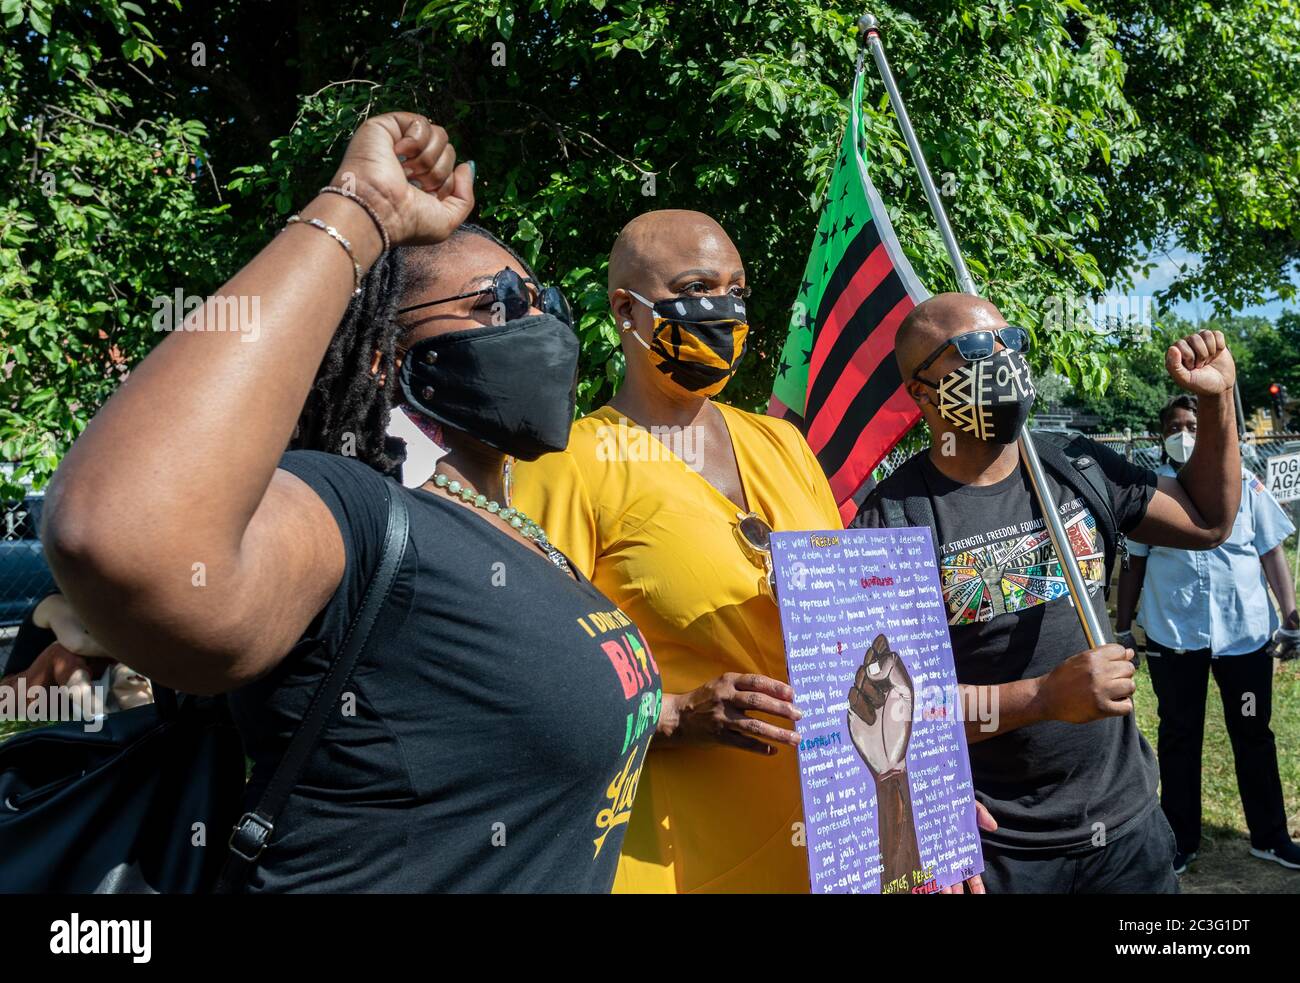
1092	627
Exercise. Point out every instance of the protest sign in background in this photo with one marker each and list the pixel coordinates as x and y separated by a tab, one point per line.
1283	479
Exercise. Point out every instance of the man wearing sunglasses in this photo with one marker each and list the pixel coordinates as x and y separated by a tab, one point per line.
1058	761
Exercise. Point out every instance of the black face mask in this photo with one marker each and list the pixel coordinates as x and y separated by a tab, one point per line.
512	386
989	399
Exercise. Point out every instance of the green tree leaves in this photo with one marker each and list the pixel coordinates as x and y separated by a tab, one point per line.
1217	90
142	150
101	213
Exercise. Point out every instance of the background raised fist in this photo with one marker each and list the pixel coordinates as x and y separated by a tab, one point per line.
1202	364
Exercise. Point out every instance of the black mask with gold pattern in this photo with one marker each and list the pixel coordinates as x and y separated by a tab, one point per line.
697	341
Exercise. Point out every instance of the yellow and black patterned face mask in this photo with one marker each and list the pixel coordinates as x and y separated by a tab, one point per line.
697	341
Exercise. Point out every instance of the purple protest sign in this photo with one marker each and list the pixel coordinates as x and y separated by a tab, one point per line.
889	807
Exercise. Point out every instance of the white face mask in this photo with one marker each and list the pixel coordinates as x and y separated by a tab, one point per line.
1179	446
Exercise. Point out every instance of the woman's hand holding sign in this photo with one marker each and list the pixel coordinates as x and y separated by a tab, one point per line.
719	712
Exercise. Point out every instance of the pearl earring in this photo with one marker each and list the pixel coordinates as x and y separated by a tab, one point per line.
627	325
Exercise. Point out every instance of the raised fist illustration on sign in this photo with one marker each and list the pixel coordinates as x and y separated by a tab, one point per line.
880	709
880	726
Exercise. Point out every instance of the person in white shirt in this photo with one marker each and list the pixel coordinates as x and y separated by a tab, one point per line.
1209	612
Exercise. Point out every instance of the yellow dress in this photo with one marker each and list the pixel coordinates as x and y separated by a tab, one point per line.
660	542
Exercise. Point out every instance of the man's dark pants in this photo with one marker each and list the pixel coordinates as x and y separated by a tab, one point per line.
1139	861
1245	683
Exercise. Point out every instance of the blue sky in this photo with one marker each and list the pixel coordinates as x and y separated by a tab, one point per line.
1166	270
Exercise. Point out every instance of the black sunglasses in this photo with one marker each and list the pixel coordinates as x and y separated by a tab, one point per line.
975	346
512	292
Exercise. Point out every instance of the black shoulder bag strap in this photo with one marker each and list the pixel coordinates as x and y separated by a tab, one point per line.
1074	466
254	830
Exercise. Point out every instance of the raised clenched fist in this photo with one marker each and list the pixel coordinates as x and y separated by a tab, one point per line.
405	168
1202	364
880	709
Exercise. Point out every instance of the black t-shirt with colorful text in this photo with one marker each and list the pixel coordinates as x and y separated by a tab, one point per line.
494	744
1051	785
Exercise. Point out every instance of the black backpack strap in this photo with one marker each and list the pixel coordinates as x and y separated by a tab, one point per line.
904	498
254	830
893	513
1072	463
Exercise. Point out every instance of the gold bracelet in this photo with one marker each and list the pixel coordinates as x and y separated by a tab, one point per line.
334	234
353	196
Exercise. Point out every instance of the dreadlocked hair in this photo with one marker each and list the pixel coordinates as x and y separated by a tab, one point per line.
349	405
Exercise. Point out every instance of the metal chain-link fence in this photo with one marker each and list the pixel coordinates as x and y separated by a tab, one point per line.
1144	448
24	576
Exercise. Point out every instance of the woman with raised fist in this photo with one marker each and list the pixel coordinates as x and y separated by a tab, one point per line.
184	533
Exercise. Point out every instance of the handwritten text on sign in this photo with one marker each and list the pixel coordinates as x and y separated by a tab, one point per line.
887	792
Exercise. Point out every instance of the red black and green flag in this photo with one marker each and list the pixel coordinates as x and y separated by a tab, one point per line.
837	379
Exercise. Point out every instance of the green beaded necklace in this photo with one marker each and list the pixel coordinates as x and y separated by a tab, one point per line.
526	527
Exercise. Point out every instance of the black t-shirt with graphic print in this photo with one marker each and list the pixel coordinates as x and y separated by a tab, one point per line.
1048	784
494	745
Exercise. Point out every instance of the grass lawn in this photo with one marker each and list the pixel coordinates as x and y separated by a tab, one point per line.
1224	864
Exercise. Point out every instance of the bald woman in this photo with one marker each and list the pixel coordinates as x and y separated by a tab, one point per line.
665	499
